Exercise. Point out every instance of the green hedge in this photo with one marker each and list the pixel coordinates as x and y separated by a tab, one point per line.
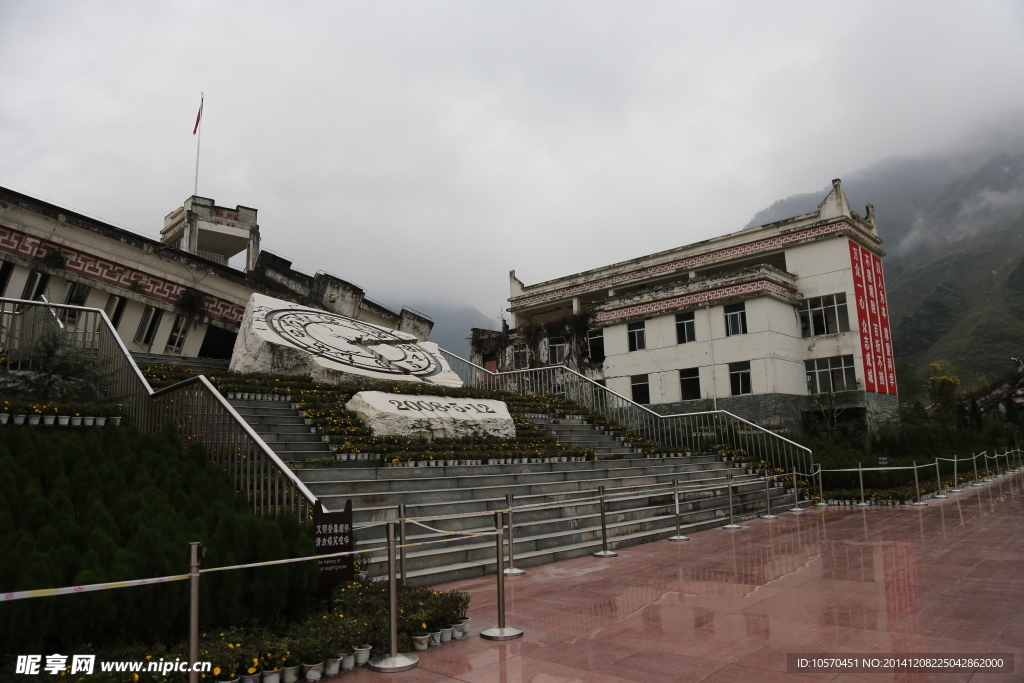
114	504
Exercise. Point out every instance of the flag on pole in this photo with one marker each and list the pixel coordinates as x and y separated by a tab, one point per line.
199	116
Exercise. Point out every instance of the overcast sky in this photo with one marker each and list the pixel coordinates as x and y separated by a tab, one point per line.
424	149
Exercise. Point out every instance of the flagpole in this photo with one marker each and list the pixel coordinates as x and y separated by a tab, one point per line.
199	139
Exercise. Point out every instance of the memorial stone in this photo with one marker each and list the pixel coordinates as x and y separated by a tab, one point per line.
432	417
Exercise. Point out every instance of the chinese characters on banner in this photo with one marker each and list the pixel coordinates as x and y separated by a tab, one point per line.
332	533
873	321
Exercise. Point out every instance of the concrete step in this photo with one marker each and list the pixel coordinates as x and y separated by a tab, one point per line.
200	365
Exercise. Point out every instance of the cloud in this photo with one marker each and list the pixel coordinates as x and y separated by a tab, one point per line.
425	149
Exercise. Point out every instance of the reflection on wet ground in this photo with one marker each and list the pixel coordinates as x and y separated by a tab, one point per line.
728	606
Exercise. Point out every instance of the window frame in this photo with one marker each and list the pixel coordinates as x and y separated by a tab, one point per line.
146	332
686	327
830	368
634	383
636	335
740	378
824	311
179	333
692	375
520	357
735	319
595	338
35	285
115	309
556	349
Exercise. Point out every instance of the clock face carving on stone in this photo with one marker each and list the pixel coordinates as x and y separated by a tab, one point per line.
352	343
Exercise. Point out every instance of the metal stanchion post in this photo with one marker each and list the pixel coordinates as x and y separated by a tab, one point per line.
860	473
938	476
604	552
401	546
821	491
796	494
501	631
393	662
512	570
679	533
956	476
974	459
988	476
768	499
195	556
917	486
732	524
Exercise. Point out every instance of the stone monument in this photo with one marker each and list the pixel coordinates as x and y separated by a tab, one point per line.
432	417
285	338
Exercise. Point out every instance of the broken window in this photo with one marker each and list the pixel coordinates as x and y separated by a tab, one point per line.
739	378
5	276
595	345
35	286
685	328
823	315
826	375
115	309
176	340
520	357
735	319
74	295
637	336
641	389
147	326
689	383
556	350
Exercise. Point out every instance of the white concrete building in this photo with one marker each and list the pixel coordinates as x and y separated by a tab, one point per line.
770	323
177	296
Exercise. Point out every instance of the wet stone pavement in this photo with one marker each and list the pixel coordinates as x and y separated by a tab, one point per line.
730	605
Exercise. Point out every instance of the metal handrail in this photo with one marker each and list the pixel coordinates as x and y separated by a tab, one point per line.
782	452
204	415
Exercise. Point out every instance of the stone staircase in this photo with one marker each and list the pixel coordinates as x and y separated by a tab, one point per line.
284	429
200	365
567	526
574	431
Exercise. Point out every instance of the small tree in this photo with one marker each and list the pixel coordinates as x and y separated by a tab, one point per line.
944	390
830	410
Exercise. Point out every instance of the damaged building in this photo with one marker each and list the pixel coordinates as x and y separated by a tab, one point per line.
178	295
784	324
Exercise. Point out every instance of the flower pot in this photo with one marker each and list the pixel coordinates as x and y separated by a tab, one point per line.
62	420
420	643
228	680
332	666
435	639
348	662
115	421
76	421
313	672
88	421
101	421
362	655
446	635
271	676
290	674
49	419
34	419
19	419
456	631
245	396
4	417
251	678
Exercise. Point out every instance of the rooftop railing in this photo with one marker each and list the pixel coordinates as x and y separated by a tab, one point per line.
198	411
688	431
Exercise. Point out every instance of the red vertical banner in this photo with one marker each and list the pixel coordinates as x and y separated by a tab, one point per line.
883	314
881	380
863	320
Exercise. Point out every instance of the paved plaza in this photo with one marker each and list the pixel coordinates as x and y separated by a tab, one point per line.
947	577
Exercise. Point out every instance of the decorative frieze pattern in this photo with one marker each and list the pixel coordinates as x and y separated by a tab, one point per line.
707	296
112	274
689	262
